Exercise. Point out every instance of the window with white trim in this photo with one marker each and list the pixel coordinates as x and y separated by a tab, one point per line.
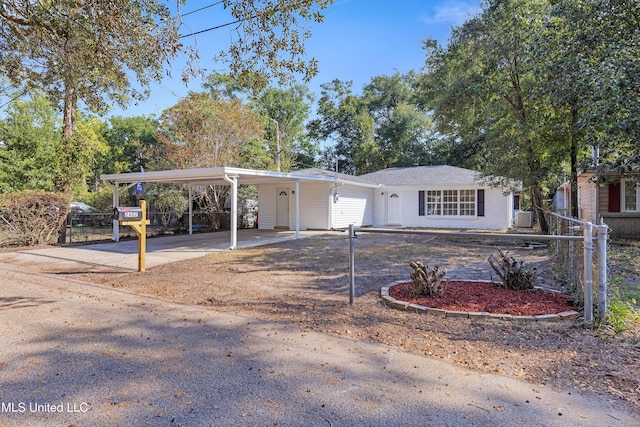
631	196
448	202
467	202
434	199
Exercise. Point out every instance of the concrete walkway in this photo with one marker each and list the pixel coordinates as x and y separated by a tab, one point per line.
75	353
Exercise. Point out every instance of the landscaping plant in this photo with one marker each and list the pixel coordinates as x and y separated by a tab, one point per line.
512	272
427	282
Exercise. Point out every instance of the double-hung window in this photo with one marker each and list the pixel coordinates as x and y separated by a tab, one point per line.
631	196
434	202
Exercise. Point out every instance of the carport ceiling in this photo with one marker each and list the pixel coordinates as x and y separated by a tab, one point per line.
213	176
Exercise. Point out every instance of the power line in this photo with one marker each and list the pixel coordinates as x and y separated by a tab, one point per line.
202	8
217	27
212	28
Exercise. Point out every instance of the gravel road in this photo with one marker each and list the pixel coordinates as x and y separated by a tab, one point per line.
72	353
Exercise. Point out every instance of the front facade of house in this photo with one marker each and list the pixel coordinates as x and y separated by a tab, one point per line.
439	197
336	203
615	203
420	196
423	196
319	208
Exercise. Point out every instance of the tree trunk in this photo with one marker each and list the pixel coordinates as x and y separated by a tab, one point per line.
68	127
538	206
574	163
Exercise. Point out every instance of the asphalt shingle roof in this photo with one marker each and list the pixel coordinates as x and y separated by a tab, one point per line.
424	175
331	174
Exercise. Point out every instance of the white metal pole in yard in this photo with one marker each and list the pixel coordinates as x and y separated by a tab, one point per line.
352	263
603	237
587	285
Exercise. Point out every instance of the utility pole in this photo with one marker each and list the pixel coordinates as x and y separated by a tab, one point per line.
277	142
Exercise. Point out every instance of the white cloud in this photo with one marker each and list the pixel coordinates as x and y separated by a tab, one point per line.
452	13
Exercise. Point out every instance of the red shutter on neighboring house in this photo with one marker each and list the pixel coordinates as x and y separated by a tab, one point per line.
614	197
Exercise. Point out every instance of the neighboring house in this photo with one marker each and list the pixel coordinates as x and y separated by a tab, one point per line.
420	196
561	202
615	203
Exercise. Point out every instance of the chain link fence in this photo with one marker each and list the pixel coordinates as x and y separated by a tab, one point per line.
578	246
582	264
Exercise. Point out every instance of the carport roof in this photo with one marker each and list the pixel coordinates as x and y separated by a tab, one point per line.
205	176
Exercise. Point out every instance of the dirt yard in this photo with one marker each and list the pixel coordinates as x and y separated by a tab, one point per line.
306	283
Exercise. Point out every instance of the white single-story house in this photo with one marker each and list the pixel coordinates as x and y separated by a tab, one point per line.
419	196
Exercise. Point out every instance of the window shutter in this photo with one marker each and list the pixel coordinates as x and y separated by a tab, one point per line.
614	197
480	202
421	203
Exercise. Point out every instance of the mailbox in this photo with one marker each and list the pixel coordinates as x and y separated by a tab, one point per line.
135	218
127	214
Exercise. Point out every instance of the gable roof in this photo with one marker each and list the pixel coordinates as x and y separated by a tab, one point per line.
332	175
424	175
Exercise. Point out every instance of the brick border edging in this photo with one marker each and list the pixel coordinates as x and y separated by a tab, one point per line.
416	308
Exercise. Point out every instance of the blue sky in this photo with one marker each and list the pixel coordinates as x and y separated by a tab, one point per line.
358	40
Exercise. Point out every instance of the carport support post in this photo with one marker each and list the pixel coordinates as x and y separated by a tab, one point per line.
234	209
352	264
297	209
116	202
190	211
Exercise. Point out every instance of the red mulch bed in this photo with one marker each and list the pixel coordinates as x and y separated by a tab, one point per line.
487	297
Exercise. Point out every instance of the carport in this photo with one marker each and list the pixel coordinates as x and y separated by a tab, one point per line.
212	176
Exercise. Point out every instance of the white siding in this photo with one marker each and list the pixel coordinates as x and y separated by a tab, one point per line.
354	206
498	210
266	206
314	206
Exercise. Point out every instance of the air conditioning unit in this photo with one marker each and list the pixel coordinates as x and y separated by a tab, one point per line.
524	219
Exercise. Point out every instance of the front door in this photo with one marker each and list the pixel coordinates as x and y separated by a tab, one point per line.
282	208
393	209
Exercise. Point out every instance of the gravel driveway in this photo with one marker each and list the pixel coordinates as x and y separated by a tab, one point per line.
108	357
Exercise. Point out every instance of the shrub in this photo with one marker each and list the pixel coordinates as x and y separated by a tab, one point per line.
512	272
427	282
622	315
32	218
170	203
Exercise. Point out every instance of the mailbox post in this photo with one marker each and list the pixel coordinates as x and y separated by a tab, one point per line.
135	218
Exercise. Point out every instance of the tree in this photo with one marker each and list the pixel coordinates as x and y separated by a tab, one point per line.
285	112
28	139
86	50
268	40
89	51
403	130
131	142
482	89
202	131
384	127
345	120
33	155
597	44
